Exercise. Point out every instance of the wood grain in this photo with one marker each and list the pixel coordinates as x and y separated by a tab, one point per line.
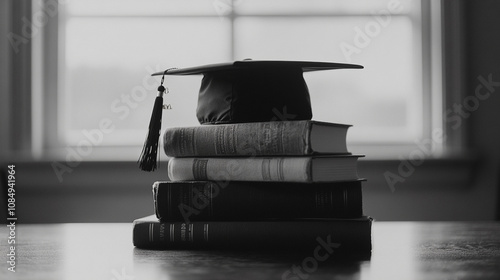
401	250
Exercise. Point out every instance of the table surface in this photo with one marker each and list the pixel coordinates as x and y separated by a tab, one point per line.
401	250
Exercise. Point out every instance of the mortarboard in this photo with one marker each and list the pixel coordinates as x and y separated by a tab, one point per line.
243	91
254	90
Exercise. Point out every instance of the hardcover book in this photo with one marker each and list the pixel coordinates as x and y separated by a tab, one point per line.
236	200
265	169
339	235
284	138
250	181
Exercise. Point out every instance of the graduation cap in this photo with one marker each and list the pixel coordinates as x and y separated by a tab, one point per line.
243	91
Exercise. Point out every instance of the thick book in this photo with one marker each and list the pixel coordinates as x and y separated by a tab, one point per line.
280	138
236	200
265	169
333	235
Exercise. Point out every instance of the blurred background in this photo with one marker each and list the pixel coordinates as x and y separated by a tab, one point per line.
76	96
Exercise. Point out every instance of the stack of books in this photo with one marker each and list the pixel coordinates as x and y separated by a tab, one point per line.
278	185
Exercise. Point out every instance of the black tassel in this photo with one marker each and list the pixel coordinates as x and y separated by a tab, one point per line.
150	156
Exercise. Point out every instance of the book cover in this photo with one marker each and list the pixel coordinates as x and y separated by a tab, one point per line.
284	138
265	169
340	235
237	200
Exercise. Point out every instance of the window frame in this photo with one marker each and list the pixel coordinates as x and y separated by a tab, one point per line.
446	174
47	141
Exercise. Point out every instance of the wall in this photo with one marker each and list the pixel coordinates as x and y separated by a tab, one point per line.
461	188
476	195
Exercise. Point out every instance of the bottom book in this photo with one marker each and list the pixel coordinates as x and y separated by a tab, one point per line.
333	235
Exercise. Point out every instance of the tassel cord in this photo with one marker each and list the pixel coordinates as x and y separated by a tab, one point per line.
149	155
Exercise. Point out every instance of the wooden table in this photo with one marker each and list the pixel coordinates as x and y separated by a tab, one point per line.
401	250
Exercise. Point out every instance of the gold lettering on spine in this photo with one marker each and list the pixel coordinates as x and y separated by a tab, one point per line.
220	145
232	145
192	147
183	232
191	232
162	232
151	229
172	231
200	169
205	232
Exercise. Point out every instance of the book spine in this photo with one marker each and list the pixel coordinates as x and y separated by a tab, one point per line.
210	201
344	235
278	169
265	138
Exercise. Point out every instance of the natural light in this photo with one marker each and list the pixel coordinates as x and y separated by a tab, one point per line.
110	53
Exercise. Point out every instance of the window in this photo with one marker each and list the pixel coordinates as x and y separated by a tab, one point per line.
107	49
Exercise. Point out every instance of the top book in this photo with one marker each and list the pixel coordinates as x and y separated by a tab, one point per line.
284	138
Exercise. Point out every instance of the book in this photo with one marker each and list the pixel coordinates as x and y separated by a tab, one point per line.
279	138
333	235
236	200
266	169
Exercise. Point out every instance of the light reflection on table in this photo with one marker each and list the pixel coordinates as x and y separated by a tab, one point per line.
401	250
